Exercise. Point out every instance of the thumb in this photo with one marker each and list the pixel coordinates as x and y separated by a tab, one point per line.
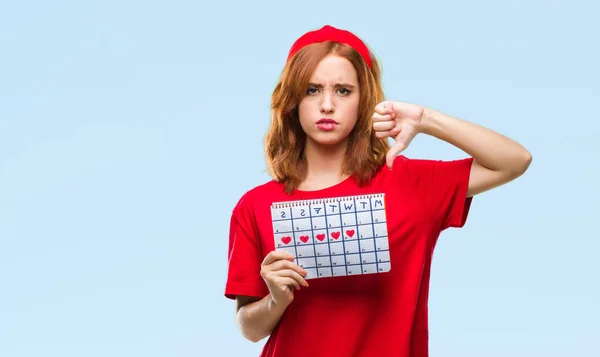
394	151
403	139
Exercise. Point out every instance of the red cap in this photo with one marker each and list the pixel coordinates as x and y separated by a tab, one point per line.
330	33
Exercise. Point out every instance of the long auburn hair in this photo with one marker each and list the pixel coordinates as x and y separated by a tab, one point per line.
285	140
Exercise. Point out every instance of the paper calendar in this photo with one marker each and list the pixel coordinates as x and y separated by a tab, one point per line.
334	236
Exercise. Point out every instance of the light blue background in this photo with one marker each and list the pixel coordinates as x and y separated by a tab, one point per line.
128	130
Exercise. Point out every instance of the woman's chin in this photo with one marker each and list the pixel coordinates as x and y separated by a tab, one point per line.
328	140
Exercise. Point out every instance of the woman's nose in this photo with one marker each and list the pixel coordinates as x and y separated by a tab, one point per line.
327	102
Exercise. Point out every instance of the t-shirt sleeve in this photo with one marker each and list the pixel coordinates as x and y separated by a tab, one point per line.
244	254
442	185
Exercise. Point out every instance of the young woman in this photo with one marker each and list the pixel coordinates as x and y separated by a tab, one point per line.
328	138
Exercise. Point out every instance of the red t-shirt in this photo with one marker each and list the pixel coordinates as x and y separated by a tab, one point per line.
382	314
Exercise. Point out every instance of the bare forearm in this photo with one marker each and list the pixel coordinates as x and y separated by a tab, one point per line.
489	148
257	319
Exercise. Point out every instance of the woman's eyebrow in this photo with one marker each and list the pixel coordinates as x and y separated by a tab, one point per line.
346	85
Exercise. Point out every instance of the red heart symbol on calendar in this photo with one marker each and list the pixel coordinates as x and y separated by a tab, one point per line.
335	235
321	236
304	239
350	232
286	240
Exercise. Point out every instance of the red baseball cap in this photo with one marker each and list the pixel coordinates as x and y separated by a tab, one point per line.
330	33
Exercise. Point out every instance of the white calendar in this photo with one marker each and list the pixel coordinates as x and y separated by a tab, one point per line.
334	236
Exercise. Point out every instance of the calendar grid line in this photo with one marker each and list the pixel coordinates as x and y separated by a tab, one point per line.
360	260
342	236
327	236
294	236
365	224
306	230
374	238
312	234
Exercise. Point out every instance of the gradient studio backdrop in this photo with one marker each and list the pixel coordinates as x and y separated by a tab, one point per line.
129	129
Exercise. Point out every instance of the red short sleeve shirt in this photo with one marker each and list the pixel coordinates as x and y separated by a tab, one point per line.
381	314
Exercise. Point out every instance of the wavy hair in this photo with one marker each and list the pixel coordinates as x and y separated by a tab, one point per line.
285	140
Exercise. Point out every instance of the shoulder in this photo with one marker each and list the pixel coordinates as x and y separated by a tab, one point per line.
406	165
426	173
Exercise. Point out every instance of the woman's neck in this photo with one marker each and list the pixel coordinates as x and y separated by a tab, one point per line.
324	165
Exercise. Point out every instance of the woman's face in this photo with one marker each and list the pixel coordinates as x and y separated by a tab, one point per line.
329	110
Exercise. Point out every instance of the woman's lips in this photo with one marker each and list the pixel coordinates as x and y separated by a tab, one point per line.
326	124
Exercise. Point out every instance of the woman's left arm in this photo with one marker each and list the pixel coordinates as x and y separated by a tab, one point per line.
497	159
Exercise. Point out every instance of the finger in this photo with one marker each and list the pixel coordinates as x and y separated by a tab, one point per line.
281	282
384	134
397	129
384	125
285	264
277	255
288	282
384	107
292	274
382	117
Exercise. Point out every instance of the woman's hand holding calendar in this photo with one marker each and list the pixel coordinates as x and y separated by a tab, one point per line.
282	276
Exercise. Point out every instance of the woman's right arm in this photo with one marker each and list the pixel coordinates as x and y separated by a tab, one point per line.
257	318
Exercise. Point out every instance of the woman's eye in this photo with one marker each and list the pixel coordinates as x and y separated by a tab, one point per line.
311	90
344	91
